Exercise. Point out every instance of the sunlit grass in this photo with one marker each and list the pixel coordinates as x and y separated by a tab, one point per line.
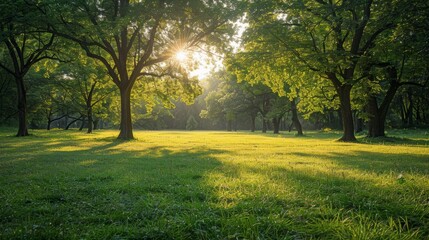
213	185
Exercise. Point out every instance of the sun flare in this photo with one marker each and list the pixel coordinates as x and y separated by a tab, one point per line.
181	56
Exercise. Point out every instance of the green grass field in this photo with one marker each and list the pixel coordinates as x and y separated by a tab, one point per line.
212	185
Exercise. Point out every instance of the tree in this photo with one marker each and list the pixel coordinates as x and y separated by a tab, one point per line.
86	79
26	42
332	40
134	40
398	59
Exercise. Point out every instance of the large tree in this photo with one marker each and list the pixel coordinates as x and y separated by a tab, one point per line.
330	39
25	41
398	59
135	39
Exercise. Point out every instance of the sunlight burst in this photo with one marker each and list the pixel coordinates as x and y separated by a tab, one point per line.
181	56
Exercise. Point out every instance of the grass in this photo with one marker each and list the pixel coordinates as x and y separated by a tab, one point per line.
213	185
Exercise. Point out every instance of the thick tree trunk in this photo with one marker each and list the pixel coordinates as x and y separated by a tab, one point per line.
378	114
48	127
126	127
346	114
276	125
295	119
22	107
375	123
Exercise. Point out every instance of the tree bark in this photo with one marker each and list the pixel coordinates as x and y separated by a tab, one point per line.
22	107
375	123
346	114
126	127
276	125
90	120
378	114
49	117
295	119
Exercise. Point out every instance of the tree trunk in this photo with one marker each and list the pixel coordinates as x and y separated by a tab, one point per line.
346	114
295	119
410	121
359	125
375	123
332	121
253	123
49	118
49	124
377	115
126	127
82	125
22	107
276	125
418	115
96	123
90	120
68	125
264	125
89	107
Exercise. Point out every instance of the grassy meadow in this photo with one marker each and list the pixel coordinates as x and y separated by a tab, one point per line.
213	185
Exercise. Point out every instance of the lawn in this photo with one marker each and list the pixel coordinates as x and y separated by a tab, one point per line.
213	185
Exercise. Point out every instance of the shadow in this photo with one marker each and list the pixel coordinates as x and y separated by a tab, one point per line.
334	136
296	202
394	141
383	162
111	190
72	187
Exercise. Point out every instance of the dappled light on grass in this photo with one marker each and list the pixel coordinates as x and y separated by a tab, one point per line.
87	162
212	185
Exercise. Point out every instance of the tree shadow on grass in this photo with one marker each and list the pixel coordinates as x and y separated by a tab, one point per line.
301	203
389	140
105	192
383	162
111	191
394	141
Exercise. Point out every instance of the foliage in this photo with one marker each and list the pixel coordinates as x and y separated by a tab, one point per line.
323	46
137	40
